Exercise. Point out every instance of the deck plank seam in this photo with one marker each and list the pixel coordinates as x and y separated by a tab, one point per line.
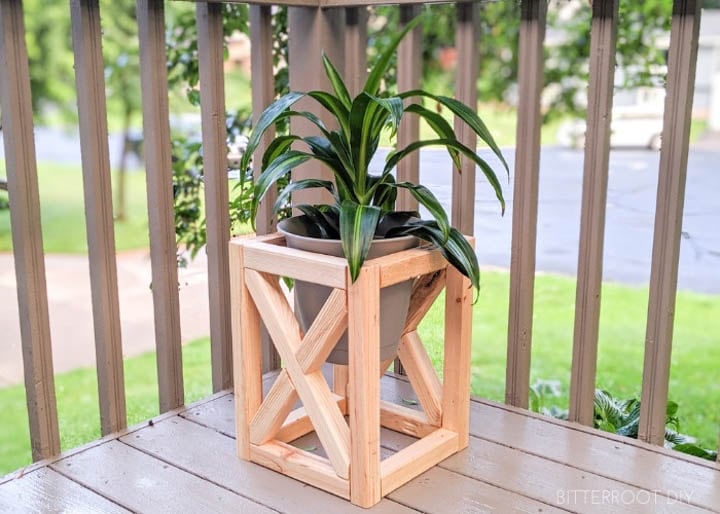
593	432
588	471
192	473
53	467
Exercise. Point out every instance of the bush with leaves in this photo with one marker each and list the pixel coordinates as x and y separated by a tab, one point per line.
618	416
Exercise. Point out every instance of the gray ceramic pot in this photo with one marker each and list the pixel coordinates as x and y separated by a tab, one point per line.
310	298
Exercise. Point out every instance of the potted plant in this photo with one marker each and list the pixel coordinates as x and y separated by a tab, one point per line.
362	222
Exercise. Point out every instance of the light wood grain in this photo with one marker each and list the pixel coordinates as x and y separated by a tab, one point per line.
364	386
420	456
404	420
456	363
682	61
212	107
247	352
340	379
603	35
302	465
273	412
526	180
22	184
312	388
161	214
425	291
310	267
45	490
142	483
402	266
324	333
422	375
298	423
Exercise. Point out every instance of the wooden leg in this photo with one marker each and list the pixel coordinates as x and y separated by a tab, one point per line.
364	387
340	379
458	343
247	352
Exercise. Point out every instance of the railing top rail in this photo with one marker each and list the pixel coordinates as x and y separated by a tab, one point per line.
335	3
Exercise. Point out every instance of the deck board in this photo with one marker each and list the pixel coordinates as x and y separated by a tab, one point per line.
47	491
517	462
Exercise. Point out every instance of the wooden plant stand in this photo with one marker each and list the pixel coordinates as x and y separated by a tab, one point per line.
265	427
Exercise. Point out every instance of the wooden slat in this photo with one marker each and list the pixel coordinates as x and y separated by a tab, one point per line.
142	483
458	347
321	338
525	204
409	71
419	456
682	59
316	268
298	423
340	379
463	179
22	178
364	386
311	388
212	103
302	465
90	83
404	420
45	490
399	267
156	128
247	352
421	373
356	19
273	412
199	450
312	31
603	34
426	289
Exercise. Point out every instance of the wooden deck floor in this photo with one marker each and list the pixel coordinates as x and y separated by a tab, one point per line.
517	462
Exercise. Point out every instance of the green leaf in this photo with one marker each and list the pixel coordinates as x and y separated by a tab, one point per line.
427	199
357	230
362	136
439	125
326	226
394	106
278	146
455	248
276	170
337	82
468	115
268	117
299	185
384	192
697	451
394	157
335	107
372	85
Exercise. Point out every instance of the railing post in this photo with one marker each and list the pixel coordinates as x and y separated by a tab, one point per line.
409	71
214	133
356	19
166	302
22	184
90	84
463	179
525	201
682	59
592	220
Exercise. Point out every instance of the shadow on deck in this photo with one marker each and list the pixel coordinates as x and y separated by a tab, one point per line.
184	461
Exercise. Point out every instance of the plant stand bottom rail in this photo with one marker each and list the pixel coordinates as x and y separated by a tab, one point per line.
266	426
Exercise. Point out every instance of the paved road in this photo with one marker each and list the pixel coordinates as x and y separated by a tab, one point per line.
632	189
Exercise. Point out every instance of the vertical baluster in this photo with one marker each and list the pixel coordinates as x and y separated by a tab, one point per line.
356	19
682	59
153	75
592	220
90	83
212	103
463	179
525	201
22	185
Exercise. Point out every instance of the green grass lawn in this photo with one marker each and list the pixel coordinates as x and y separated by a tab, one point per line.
63	214
693	381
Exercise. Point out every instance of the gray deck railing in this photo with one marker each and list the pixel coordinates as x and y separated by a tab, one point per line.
339	27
